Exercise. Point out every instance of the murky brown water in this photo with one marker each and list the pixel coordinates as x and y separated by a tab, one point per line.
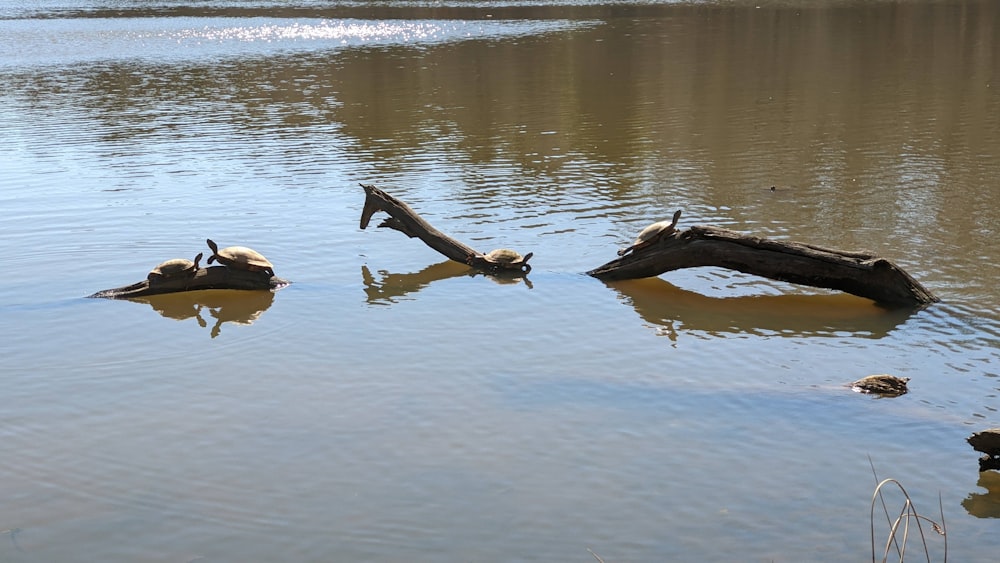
391	406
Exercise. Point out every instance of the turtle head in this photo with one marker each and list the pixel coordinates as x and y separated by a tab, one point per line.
215	250
677	217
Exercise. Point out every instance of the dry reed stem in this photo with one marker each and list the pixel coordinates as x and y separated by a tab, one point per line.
595	555
906	513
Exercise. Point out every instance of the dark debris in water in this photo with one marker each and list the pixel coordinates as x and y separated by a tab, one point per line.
884	385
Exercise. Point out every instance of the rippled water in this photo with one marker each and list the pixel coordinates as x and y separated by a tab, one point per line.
389	405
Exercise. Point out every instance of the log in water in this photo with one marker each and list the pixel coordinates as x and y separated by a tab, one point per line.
214	277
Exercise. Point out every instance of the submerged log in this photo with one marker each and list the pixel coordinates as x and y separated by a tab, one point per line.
859	273
215	277
405	220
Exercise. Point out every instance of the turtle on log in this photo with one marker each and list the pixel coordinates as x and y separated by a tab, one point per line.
240	258
652	234
507	259
174	269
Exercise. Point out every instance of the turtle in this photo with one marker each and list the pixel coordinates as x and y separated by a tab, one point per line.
176	268
652	234
507	259
881	384
240	258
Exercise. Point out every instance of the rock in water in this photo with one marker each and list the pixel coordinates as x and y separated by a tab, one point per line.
987	442
881	384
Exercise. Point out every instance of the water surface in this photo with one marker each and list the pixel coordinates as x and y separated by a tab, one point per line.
389	405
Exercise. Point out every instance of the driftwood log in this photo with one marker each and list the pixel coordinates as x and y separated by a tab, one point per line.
215	277
859	273
405	220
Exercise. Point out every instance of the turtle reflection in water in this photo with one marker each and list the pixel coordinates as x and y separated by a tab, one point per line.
174	269
651	234
240	258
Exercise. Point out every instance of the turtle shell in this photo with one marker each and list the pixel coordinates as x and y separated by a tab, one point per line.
240	258
504	256
176	268
507	259
652	233
654	230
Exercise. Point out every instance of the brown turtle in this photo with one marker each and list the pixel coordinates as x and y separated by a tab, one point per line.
881	384
651	234
507	259
174	269
240	258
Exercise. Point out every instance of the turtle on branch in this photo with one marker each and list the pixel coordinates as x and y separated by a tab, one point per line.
652	234
240	258
501	260
405	220
178	268
243	268
661	248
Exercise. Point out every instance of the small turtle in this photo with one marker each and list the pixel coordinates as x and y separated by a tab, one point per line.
652	234
881	384
176	268
240	258
507	259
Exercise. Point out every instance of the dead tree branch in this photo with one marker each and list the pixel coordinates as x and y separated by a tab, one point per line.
859	273
405	220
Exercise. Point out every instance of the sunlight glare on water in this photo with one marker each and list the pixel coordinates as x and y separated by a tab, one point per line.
187	37
364	32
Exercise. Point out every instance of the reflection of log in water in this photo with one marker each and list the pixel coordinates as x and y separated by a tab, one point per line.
237	307
985	505
391	286
661	303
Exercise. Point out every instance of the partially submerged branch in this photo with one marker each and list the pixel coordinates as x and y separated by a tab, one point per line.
661	248
405	220
215	277
859	273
